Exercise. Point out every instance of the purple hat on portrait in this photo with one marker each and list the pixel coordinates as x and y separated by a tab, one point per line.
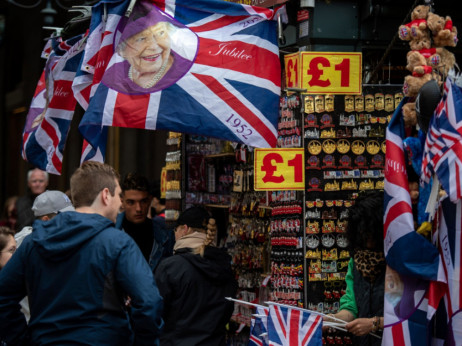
143	16
182	44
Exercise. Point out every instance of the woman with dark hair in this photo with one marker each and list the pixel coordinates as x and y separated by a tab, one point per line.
362	304
194	283
7	245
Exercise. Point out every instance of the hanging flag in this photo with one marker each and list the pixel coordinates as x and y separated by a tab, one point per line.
443	145
52	107
206	67
98	51
450	240
412	260
259	328
294	327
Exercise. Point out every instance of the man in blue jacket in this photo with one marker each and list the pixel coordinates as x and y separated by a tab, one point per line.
77	270
151	235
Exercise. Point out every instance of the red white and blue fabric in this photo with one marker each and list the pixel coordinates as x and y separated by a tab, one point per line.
46	51
450	241
294	327
221	95
443	145
52	108
98	51
413	261
259	328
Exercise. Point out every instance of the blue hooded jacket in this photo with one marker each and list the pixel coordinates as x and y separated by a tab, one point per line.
76	269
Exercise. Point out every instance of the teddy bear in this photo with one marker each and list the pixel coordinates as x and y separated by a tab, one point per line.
444	34
409	114
423	46
442	62
416	62
413	83
418	25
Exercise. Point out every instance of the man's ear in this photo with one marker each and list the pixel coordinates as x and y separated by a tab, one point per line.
105	196
45	218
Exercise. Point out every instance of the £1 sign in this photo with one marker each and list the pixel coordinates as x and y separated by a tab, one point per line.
279	169
331	73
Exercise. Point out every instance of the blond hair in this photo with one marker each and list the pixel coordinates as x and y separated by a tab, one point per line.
211	232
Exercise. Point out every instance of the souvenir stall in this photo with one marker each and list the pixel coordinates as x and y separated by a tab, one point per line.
290	246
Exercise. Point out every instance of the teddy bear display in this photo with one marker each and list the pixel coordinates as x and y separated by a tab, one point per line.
417	27
428	34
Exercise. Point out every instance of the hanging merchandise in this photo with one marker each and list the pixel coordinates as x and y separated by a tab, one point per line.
248	244
173	167
286	225
219	176
345	154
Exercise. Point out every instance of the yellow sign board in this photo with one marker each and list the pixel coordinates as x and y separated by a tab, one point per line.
279	169
331	73
292	68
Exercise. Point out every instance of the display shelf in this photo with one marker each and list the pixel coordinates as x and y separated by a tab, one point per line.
224	206
212	156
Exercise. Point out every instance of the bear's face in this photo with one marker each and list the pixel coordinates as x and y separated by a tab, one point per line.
435	23
420	12
422	43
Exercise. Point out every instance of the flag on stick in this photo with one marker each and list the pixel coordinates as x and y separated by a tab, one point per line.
293	326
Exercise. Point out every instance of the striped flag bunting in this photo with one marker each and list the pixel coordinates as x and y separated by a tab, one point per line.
52	107
443	148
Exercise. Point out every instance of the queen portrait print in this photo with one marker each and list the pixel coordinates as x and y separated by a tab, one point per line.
153	52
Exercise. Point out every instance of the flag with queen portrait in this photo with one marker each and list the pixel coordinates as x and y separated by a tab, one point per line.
206	67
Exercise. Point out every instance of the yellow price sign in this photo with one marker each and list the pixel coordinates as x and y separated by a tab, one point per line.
292	65
279	169
331	73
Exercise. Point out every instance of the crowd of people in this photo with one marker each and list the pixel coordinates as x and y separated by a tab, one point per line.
102	267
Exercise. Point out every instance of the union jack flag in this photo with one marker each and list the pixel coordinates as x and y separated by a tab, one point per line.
52	107
98	51
259	328
443	147
226	83
408	304
450	241
294	327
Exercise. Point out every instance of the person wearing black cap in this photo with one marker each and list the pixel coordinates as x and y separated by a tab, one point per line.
194	283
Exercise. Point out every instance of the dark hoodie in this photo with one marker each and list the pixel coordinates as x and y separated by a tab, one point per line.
194	290
76	270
